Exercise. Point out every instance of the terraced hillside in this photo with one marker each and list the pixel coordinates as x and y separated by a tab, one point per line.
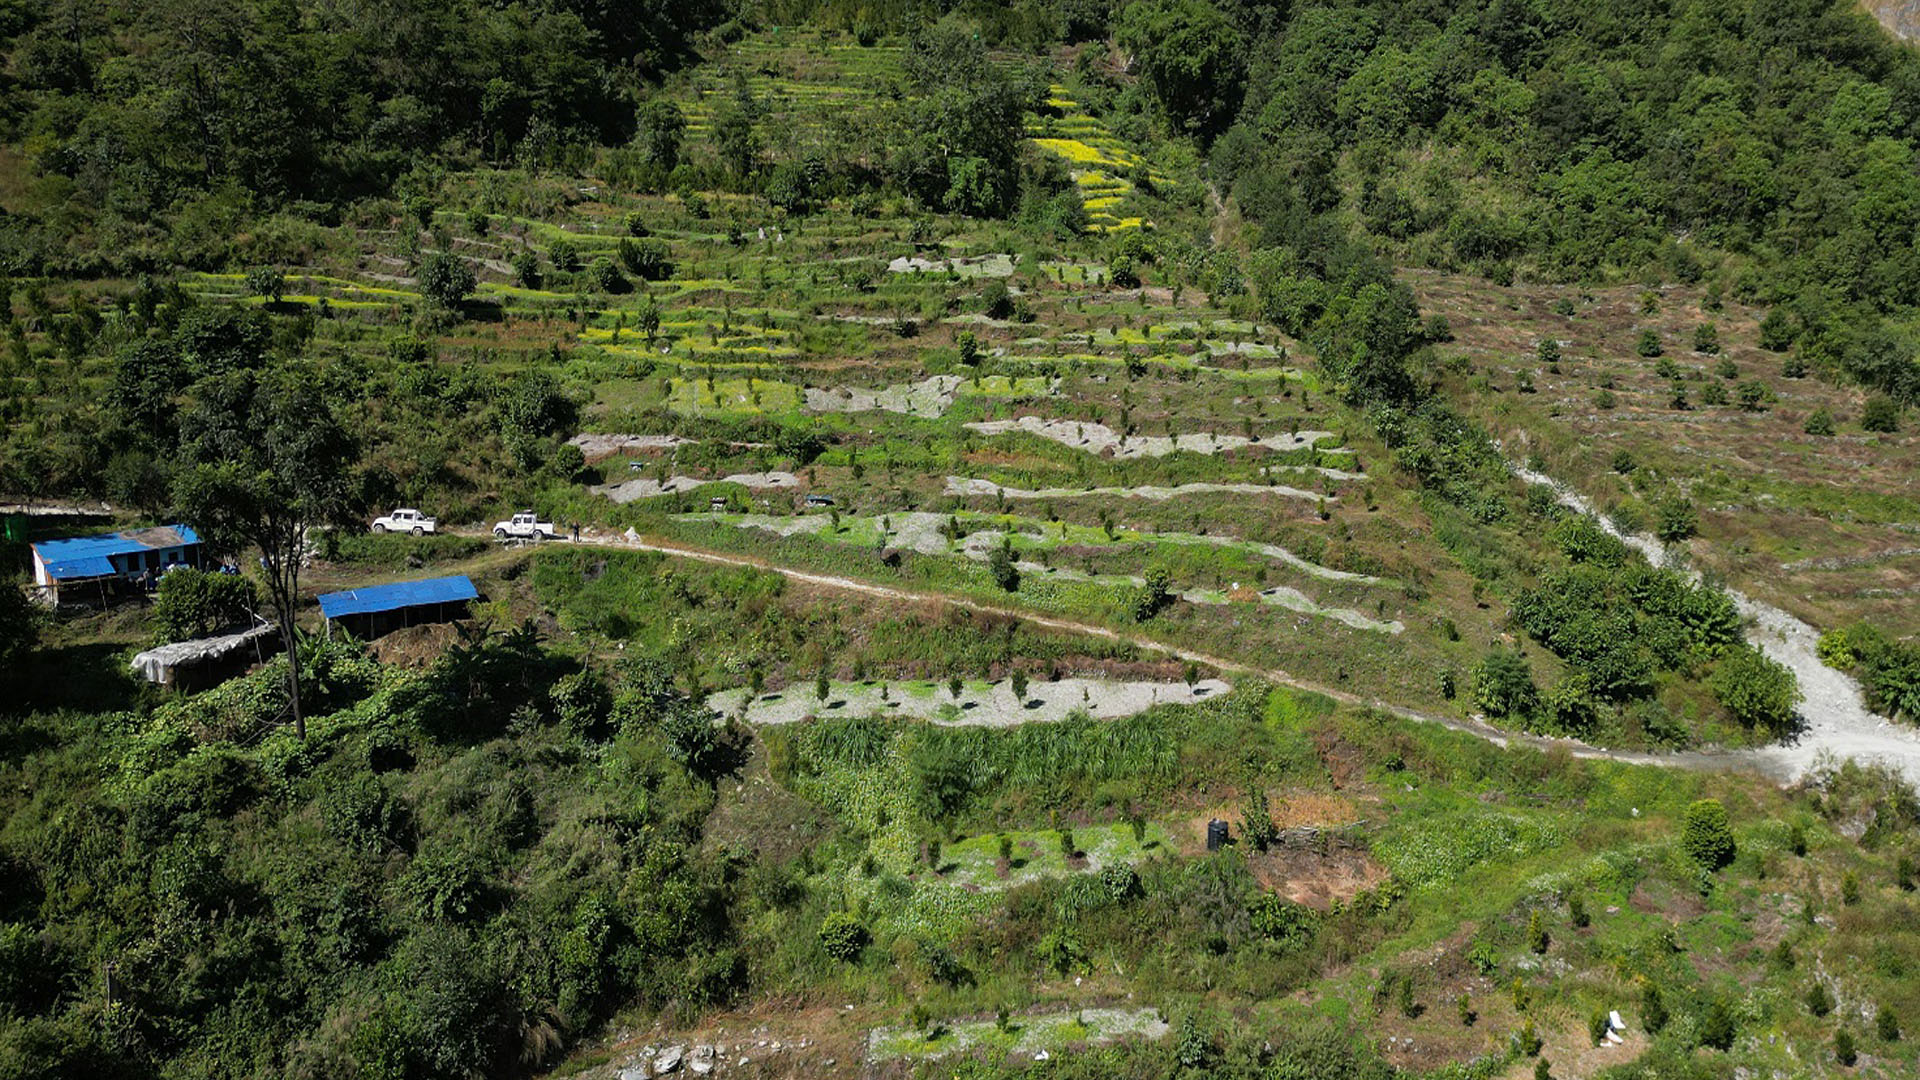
949	545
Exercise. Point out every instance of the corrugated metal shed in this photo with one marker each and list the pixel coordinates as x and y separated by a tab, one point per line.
402	594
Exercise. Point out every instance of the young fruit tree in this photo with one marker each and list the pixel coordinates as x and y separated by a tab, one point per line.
264	460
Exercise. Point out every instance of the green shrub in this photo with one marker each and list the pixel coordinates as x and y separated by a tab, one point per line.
1060	951
1843	1050
1503	685
1676	519
526	268
193	603
267	281
1718	1026
1755	690
1819	1001
1482	958
446	279
1004	573
1653	1009
1193	1047
1577	911
1153	596
843	936
1819	422
1528	1041
1886	1024
1777	332
1706	835
1881	414
1120	882
1288	925
1649	344
1258	829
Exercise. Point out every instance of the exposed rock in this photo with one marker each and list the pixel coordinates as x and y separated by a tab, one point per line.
669	1059
701	1060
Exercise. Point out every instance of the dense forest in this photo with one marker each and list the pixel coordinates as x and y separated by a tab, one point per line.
269	266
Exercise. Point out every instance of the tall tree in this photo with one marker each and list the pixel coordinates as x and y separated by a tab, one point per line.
266	459
1192	60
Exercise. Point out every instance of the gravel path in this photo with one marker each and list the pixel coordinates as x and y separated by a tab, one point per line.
1101	439
1837	720
979	704
648	488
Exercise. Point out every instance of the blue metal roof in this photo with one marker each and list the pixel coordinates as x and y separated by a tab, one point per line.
74	569
120	543
401	594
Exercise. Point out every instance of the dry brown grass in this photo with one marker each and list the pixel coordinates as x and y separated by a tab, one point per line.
1825	527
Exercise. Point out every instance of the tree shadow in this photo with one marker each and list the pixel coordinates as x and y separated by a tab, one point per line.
87	677
482	311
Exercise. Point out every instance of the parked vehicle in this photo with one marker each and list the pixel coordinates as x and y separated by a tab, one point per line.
819	500
406	521
525	525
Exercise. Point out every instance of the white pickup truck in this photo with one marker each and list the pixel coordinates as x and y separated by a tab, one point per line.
525	525
406	521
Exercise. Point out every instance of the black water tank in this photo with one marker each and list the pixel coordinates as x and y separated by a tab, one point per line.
1216	835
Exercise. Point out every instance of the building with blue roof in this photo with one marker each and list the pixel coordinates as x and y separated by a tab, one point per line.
90	567
381	609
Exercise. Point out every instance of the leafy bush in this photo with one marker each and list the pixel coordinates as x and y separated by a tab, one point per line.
1675	520
1503	685
1755	690
1706	834
1120	882
1288	925
193	603
1819	1001
1153	596
1881	414
843	936
1718	1026
1061	952
1000	567
446	279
